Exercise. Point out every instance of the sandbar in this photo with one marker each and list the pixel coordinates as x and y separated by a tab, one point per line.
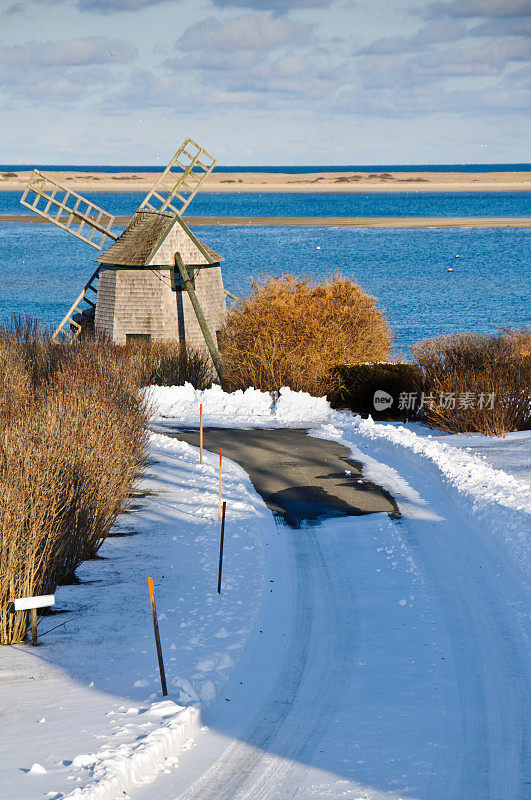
333	222
346	182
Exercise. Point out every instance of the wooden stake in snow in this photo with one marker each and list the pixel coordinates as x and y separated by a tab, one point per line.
157	637
34	627
33	603
221	546
219	489
200	433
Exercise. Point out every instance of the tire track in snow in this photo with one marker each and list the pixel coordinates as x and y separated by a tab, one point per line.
488	669
314	659
473	589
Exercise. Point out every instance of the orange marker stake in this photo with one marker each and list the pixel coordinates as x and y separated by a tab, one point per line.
219	490
201	433
157	637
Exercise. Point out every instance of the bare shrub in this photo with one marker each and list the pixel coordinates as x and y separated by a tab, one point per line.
292	332
354	387
520	341
14	379
41	355
71	448
33	518
488	377
106	434
162	363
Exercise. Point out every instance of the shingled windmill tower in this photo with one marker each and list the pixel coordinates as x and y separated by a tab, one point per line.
157	280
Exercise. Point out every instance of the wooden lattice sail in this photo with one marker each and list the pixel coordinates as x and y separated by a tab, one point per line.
181	179
69	210
71	324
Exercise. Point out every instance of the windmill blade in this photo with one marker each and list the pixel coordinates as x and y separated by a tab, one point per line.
233	297
69	210
70	326
181	179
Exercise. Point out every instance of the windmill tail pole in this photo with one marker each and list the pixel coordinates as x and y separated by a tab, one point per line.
212	349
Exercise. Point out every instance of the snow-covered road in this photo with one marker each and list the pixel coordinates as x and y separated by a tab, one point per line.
388	662
365	658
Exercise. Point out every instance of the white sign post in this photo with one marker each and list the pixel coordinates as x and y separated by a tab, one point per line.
32	604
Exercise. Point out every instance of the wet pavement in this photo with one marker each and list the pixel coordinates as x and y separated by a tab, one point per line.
302	479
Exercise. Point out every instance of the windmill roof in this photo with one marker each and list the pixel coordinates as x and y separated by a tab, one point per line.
146	232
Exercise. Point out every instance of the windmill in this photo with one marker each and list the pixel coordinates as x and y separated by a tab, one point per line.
156	280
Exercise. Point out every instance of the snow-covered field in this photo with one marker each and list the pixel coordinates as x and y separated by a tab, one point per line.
364	658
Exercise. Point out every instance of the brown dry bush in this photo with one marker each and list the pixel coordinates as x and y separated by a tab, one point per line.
107	442
34	513
41	355
292	332
71	449
162	363
480	365
14	379
354	387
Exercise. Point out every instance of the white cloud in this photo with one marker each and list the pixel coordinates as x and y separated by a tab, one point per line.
218	61
435	66
257	59
105	6
28	86
253	58
15	9
247	32
494	55
109	6
434	33
68	73
481	8
90	50
443	61
144	89
272	5
508	26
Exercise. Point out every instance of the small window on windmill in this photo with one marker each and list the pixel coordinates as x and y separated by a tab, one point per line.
134	338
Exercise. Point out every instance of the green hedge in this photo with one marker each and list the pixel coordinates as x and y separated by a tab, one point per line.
354	387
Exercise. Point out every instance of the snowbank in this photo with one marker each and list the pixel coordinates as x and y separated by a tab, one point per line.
179	405
299	407
112	769
495	499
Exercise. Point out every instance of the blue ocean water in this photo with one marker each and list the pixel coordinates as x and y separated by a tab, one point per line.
319	204
286	169
43	268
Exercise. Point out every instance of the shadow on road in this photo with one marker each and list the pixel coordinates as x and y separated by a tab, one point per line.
301	479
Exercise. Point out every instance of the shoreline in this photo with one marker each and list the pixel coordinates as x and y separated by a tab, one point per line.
333	222
318	182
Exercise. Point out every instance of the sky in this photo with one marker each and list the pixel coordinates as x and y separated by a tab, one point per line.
265	81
